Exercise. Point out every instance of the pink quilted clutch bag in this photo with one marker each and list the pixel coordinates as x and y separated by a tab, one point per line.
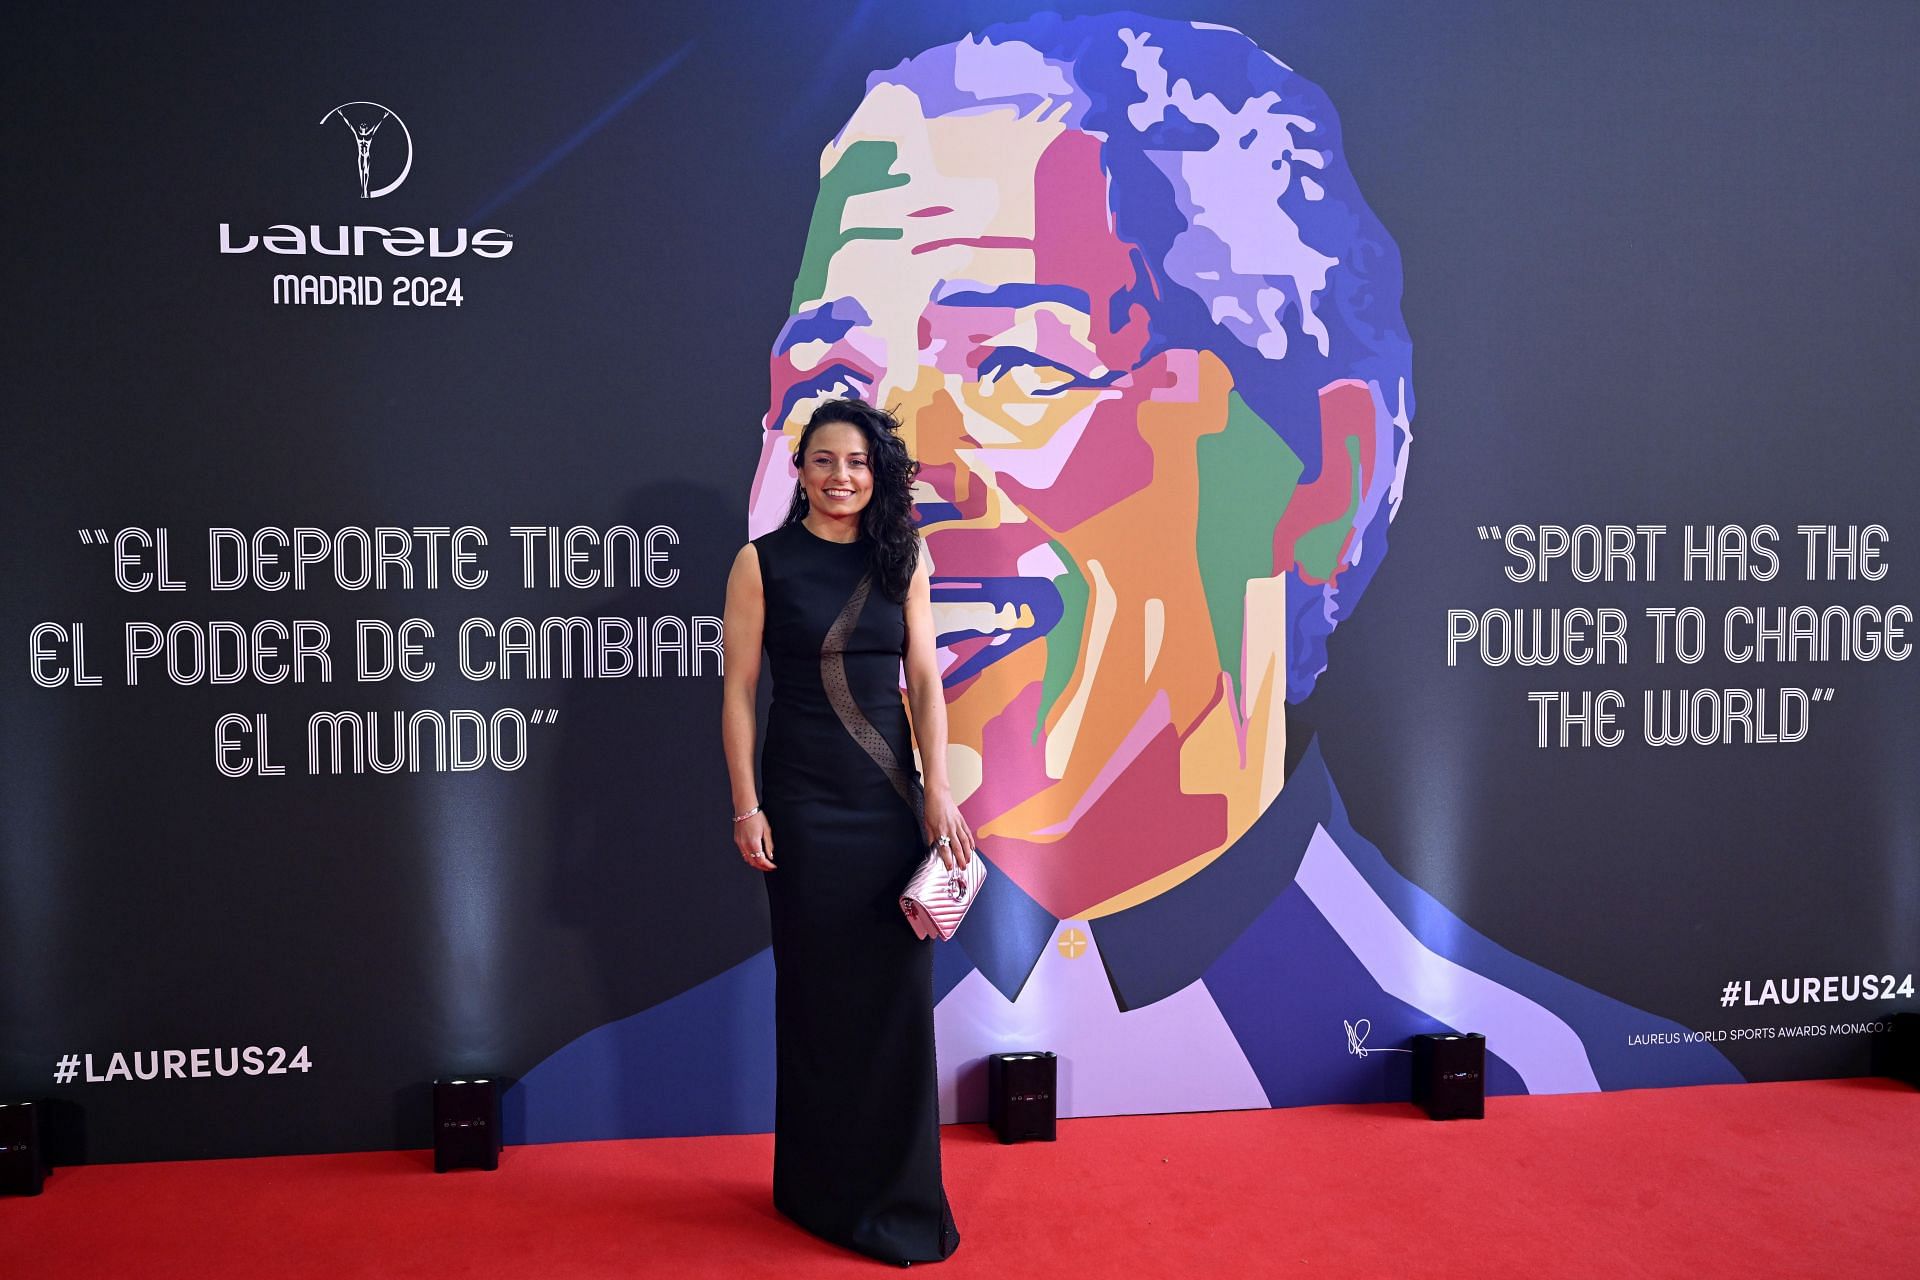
936	900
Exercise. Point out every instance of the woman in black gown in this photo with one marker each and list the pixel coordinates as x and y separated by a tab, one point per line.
839	595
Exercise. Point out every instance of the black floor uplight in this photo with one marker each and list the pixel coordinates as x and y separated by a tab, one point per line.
466	1124
1021	1095
23	1149
1450	1075
1898	1050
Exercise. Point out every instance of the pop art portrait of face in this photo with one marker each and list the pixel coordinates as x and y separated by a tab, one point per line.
1115	277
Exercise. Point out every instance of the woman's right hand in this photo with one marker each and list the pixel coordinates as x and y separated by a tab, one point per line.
754	839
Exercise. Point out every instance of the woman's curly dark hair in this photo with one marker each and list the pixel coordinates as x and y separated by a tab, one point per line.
887	519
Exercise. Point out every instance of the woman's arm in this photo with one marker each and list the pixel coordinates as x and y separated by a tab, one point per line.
927	702
741	628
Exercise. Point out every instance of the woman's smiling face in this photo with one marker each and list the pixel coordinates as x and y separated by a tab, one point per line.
835	470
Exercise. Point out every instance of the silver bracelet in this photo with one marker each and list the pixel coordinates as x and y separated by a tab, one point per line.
748	814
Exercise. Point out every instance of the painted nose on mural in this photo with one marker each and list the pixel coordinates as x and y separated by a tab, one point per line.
948	487
935	431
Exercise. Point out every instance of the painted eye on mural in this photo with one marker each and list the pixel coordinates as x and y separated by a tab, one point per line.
833	382
1009	371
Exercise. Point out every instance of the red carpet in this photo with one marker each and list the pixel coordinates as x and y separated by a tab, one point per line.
1806	1179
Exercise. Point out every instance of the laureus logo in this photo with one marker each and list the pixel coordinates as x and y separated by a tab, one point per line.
381	142
365	120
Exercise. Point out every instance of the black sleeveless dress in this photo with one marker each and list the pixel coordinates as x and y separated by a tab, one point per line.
856	1112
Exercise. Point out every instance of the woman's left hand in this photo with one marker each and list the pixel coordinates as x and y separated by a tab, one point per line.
943	819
